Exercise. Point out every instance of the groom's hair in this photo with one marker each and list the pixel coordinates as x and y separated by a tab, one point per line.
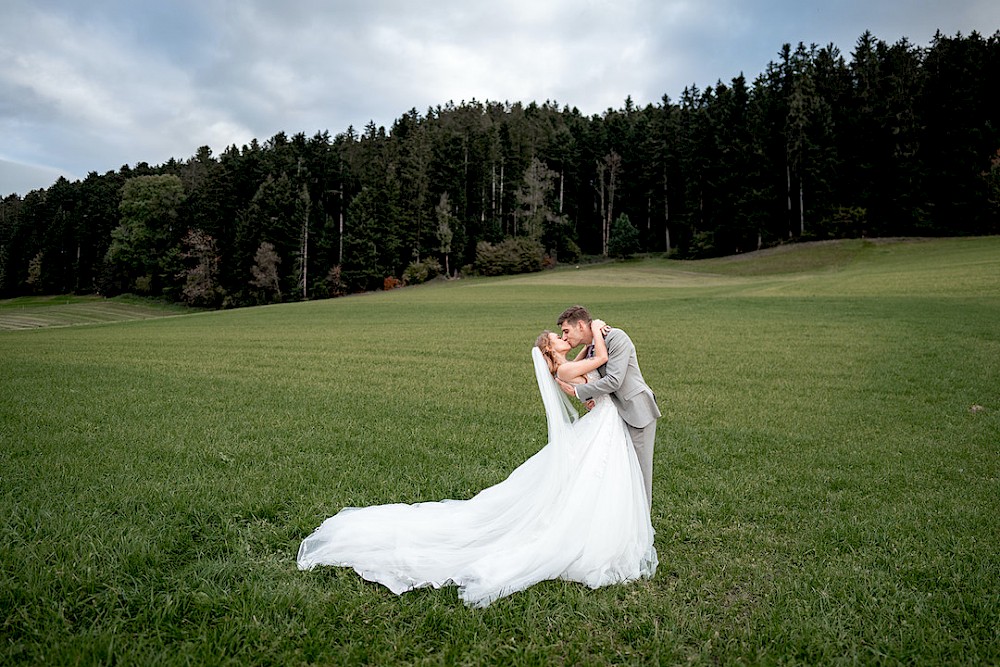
574	314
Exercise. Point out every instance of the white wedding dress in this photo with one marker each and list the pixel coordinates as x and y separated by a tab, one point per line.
576	510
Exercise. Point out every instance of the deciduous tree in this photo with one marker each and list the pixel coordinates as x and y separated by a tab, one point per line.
265	271
201	277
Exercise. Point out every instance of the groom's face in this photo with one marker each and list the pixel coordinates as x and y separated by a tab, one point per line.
576	333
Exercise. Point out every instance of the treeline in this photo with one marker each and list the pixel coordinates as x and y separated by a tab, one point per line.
899	140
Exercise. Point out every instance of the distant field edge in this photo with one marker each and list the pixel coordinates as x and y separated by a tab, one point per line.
790	261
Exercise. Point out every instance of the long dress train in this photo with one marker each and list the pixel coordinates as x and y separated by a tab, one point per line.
576	510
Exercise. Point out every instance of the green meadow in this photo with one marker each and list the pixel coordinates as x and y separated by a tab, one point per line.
827	468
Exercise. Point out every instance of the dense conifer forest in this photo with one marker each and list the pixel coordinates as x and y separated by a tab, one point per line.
892	140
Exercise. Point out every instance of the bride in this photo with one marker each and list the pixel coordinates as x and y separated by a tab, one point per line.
576	510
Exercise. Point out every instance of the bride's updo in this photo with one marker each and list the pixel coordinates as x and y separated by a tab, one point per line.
544	343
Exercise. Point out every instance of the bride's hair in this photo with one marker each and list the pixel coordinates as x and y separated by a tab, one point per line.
544	343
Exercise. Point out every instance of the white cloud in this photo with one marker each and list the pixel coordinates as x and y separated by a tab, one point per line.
109	100
92	86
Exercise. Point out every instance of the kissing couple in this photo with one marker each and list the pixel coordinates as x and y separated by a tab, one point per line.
576	510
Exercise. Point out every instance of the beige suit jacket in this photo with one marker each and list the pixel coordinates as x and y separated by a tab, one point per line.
622	379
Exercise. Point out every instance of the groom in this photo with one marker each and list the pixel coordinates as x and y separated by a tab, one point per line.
621	378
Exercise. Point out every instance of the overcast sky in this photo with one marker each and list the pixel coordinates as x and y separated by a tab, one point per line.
91	85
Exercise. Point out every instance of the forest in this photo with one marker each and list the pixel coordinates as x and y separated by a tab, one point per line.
894	140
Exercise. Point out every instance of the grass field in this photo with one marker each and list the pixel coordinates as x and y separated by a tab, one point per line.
827	469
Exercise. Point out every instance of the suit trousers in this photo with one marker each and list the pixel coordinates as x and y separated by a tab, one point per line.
643	440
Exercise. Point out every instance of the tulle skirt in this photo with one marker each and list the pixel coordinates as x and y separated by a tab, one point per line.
576	510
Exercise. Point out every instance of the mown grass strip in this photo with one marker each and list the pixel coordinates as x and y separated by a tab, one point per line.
61	311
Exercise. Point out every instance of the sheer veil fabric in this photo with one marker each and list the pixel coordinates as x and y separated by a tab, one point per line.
575	510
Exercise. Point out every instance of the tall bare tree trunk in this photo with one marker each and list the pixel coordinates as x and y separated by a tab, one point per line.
666	214
493	190
305	259
802	210
611	165
562	188
601	197
502	221
340	250
304	249
615	162
788	190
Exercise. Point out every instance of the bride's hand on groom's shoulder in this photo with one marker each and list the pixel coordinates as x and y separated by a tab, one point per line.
602	326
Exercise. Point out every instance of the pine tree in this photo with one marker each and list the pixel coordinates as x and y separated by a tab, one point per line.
624	238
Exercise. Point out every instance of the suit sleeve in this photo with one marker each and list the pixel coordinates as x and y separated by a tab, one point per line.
620	349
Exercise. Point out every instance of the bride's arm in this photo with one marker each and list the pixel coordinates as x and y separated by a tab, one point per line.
580	367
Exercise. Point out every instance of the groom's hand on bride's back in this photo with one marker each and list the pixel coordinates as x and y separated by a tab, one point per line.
566	387
570	390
